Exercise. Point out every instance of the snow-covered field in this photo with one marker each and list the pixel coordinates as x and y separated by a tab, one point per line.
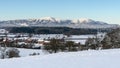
82	38
27	52
83	59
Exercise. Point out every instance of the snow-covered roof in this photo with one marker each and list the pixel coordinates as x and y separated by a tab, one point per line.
46	41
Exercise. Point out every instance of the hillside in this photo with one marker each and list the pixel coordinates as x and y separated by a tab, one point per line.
82	59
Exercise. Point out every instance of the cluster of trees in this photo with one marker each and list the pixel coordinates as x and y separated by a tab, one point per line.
54	30
110	40
57	45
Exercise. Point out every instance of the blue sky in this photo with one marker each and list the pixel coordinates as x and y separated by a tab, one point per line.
102	10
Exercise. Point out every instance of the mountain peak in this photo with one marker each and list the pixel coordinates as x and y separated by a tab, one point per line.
47	18
81	20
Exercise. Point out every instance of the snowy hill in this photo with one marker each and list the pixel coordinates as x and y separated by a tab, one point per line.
54	22
82	59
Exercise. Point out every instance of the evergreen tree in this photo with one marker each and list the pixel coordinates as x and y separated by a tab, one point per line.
69	45
53	46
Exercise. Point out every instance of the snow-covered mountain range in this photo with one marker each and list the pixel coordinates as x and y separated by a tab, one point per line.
54	22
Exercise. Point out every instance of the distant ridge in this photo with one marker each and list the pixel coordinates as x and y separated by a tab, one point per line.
54	22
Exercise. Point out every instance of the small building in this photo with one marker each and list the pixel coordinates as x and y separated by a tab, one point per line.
43	41
40	41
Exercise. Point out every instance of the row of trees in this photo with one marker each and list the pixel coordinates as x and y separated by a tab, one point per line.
56	45
54	30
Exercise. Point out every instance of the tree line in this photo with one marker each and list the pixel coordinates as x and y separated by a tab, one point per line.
54	30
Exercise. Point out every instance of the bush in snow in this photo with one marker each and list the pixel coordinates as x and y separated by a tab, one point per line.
33	54
8	52
12	52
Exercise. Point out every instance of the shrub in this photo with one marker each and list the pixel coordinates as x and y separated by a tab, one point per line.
12	52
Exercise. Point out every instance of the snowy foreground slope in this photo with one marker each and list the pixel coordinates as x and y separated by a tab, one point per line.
83	59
